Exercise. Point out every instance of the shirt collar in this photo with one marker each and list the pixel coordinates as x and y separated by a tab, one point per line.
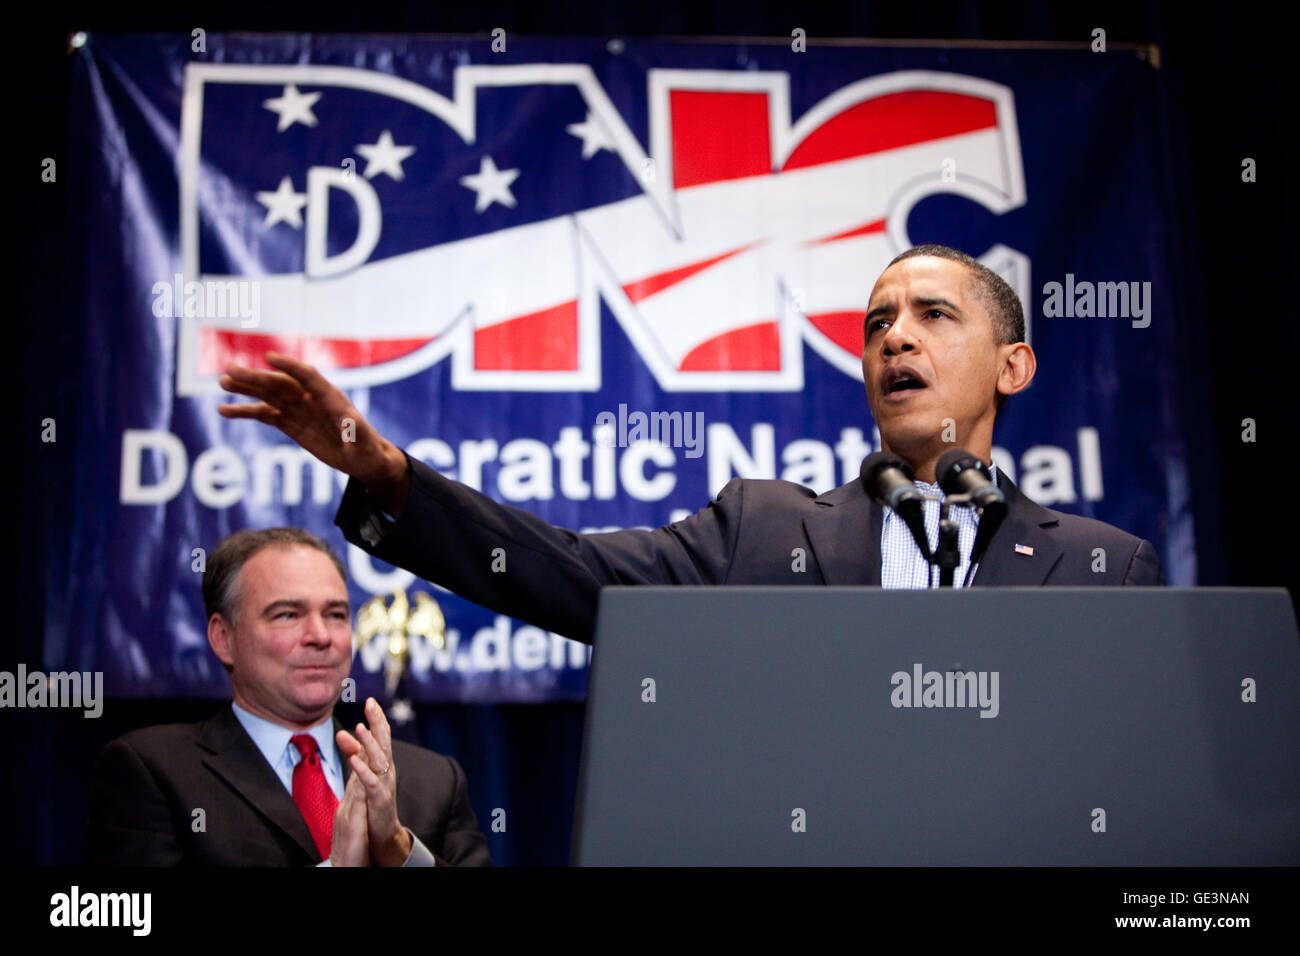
273	740
932	487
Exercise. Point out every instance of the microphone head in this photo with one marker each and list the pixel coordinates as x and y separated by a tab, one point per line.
879	460
896	491
888	479
949	468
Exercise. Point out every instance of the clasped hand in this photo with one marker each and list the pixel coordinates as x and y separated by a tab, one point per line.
366	829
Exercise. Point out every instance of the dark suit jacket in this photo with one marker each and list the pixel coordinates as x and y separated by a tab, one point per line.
448	533
146	786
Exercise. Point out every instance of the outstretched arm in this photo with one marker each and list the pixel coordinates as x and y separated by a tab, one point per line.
500	557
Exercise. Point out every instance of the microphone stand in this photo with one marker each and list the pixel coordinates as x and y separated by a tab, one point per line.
946	554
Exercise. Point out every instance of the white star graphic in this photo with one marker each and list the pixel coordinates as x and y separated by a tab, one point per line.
491	185
401	712
384	156
293	107
283	205
593	134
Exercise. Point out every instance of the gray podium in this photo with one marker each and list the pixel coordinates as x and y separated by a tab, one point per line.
990	726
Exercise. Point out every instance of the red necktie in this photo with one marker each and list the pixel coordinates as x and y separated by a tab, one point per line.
315	799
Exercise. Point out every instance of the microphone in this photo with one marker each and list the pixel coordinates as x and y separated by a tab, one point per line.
888	480
961	473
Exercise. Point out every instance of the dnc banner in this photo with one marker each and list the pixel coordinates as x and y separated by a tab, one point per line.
594	280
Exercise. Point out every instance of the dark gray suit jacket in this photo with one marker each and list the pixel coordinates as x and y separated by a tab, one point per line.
147	784
449	533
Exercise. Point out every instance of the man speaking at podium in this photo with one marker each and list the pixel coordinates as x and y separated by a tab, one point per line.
944	348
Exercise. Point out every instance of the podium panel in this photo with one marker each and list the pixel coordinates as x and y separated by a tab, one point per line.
990	726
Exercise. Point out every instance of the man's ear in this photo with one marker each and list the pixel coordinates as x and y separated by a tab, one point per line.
220	639
1018	365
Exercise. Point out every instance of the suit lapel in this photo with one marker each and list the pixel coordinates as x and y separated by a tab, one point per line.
845	536
1026	520
232	756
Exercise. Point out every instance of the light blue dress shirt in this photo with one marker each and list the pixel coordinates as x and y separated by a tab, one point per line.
274	743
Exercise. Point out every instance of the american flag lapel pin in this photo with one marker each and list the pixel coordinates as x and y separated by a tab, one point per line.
1024	549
